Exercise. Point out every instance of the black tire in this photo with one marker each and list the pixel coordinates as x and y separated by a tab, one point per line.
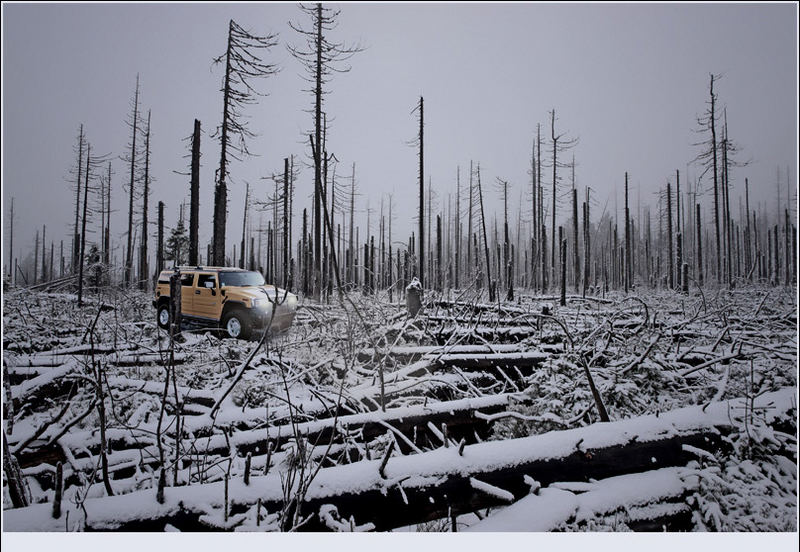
237	319
162	316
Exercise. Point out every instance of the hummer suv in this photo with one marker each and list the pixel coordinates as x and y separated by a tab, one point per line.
236	300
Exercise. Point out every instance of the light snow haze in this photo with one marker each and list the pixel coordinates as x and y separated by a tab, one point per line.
628	80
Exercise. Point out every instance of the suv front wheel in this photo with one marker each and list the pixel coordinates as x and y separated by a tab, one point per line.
237	324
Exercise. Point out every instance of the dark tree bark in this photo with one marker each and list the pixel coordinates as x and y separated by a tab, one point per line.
107	229
627	267
44	253
699	247
78	184
83	226
242	249
575	253
36	258
194	195
489	282
670	267
679	228
160	252
144	271
131	185
421	255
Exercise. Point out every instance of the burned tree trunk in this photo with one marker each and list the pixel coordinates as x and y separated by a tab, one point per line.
131	186
194	194
160	252
143	268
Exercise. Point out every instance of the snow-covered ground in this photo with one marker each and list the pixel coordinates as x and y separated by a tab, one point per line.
358	400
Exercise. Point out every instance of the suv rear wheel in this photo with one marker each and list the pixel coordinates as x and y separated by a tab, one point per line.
236	324
162	316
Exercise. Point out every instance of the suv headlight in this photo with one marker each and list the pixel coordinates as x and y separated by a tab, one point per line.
291	301
264	304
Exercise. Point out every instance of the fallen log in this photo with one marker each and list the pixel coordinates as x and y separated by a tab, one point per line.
428	486
463	419
414	353
651	500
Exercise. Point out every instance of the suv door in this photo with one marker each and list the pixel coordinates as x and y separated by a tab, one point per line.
187	301
207	296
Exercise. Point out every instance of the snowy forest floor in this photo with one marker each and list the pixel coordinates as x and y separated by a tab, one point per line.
294	435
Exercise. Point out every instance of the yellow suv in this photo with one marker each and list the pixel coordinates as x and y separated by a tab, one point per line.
236	300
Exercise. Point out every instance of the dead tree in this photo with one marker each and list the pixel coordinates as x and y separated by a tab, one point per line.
679	231
421	154
628	260
160	251
244	226
133	123
670	267
699	247
44	253
286	242
489	281
107	223
144	276
560	145
321	58
506	245
77	170
11	243
194	194
36	258
83	224
242	65
708	159
575	254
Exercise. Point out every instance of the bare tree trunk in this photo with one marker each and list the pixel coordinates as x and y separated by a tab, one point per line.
627	267
160	252
670	267
244	228
129	250
221	191
144	276
586	243
36	258
44	253
712	122
553	213
679	250
79	183
699	247
485	242
787	276
421	255
457	229
83	227
107	228
576	257
194	194
469	227
563	300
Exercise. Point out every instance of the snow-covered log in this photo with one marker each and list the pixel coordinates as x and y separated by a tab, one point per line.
431	485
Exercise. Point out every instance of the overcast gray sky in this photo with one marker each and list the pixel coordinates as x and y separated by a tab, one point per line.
629	80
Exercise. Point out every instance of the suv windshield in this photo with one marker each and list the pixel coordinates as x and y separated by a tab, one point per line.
240	279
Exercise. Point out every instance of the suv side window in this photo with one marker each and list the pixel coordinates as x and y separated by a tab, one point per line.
203	279
186	280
